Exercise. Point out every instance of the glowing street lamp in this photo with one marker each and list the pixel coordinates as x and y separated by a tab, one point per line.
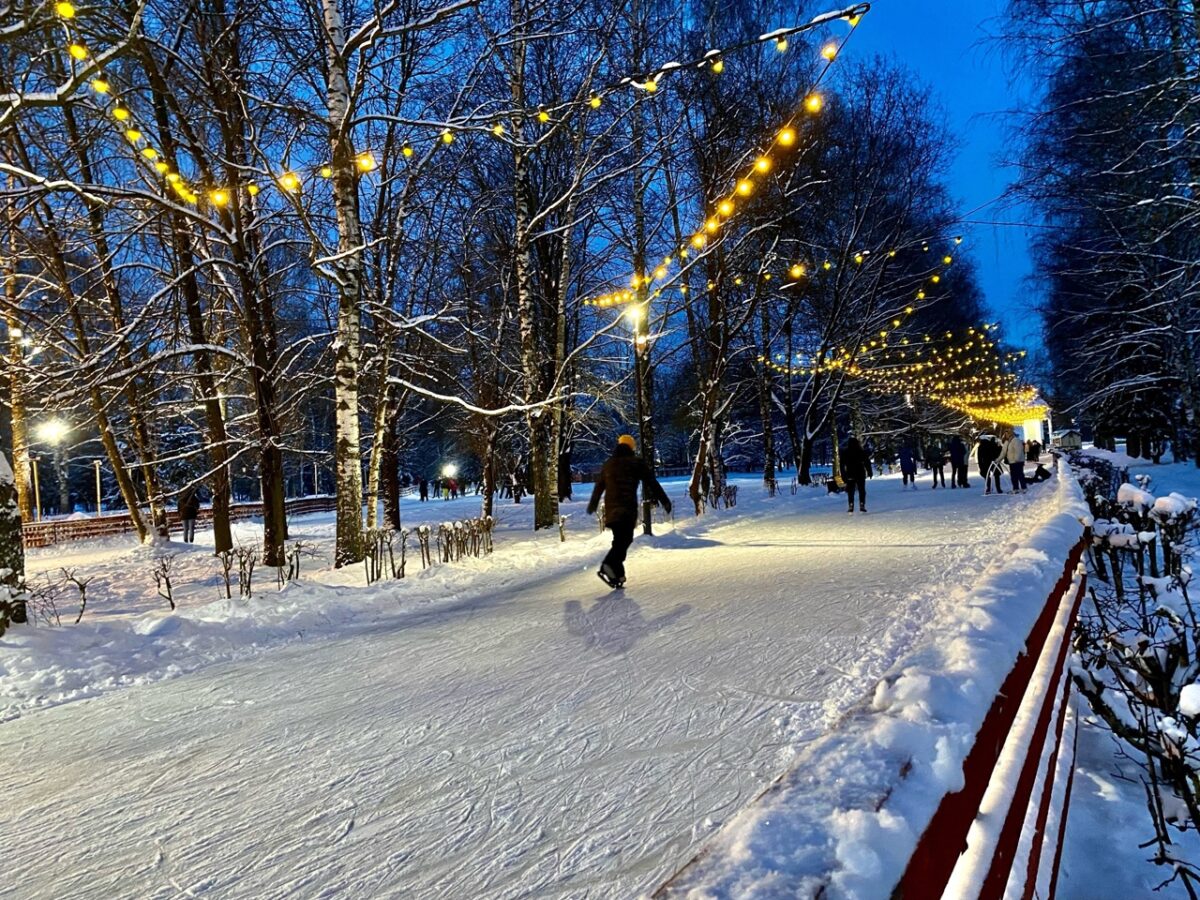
53	431
449	470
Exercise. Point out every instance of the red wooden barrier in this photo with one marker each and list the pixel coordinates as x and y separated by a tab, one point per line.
54	531
945	838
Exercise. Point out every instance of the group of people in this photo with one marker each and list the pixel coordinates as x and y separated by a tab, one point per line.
991	453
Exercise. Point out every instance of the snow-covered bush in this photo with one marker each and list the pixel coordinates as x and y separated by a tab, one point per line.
1138	643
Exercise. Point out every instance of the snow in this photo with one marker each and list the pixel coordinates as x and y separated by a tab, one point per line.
843	821
1189	700
1108	801
508	727
1128	495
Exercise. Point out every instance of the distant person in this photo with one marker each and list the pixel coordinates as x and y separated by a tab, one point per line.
987	454
1014	455
618	484
958	463
856	468
1033	451
908	466
935	461
423	489
188	505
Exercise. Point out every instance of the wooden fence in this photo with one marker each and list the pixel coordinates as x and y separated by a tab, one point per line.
57	531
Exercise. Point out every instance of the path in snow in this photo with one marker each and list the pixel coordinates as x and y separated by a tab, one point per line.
556	740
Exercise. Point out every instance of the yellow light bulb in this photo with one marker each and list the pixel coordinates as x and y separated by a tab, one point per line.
651	86
711	225
854	20
289	181
698	240
498	130
78	51
762	164
365	161
936	278
543	116
100	86
813	103
660	273
447	136
594	103
947	260
718	67
407	150
725	208
781	45
64	10
149	153
745	187
252	190
891	253
796	271
120	113
133	135
173	178
787	137
827	265
326	172
162	167
858	258
829	52
219	197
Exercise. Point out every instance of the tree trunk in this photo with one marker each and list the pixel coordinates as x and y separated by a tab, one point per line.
543	454
12	551
347	445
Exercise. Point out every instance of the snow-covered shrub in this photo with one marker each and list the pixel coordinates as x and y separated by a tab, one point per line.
1138	643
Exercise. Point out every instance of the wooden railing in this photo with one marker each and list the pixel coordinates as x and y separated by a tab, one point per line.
56	531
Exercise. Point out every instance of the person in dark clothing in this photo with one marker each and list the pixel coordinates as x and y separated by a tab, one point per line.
958	463
855	467
1033	450
189	509
618	484
908	466
986	454
935	461
423	488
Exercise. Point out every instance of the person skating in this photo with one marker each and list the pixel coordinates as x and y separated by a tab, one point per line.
987	453
935	461
958	463
189	510
856	467
1014	455
908	466
618	485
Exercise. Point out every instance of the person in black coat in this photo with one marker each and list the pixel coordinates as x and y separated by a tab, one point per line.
986	454
189	510
958	463
855	466
618	485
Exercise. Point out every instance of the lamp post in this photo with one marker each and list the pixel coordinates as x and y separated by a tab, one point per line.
37	488
99	495
53	432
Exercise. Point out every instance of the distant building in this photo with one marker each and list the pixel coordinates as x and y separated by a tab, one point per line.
1068	440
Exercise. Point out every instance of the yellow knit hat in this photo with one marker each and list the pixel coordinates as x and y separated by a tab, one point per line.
628	441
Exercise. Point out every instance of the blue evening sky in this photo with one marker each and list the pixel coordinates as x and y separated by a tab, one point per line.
950	47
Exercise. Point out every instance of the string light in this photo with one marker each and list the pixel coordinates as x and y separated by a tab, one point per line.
289	181
718	66
219	197
813	103
64	10
781	44
100	86
365	162
78	51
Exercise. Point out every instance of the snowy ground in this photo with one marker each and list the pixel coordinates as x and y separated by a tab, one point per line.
1108	802
496	728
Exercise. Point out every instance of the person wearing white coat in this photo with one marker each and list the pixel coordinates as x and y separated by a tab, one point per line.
1014	455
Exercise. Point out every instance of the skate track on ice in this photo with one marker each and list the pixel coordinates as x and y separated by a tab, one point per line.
552	739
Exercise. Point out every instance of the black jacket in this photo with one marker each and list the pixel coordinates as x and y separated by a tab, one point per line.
854	462
189	504
958	452
988	453
618	483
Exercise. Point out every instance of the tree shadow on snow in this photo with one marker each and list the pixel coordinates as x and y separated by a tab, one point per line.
615	622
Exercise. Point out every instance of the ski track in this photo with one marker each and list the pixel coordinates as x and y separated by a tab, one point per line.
551	740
